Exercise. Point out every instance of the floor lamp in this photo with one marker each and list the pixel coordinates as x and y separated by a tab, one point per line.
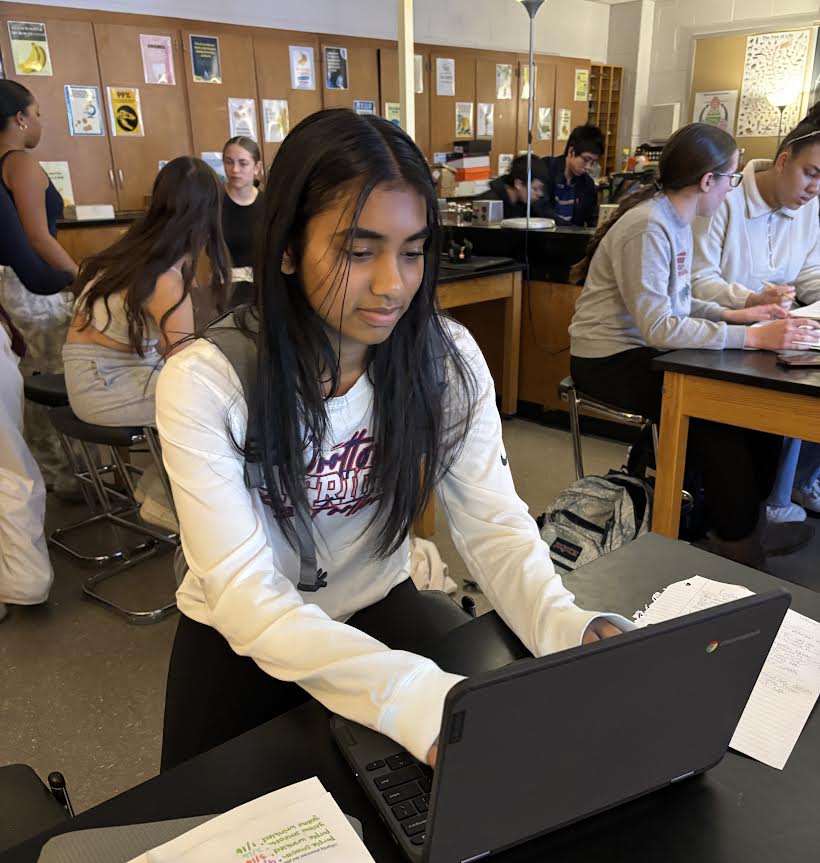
532	7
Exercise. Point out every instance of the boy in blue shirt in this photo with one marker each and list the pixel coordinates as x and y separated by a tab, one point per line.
570	196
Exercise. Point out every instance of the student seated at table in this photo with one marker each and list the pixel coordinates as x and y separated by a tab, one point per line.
570	194
637	303
761	246
366	400
134	308
511	188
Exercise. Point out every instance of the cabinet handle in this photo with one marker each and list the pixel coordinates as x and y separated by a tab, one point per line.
122	179
111	177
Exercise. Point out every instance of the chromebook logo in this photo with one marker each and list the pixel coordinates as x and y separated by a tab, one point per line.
712	646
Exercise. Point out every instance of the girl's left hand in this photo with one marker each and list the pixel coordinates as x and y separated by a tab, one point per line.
599	629
753	314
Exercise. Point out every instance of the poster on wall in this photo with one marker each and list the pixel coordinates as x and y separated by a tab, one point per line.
276	120
582	85
85	116
364	106
206	65
392	112
505	161
716	108
525	80
564	124
157	59
302	76
418	73
125	111
242	118
503	80
29	48
464	119
214	160
774	64
486	119
336	68
543	128
60	175
445	76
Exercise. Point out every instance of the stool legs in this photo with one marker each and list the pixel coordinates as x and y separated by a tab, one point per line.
575	430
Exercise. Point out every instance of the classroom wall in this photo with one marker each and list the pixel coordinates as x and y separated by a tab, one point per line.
572	28
677	22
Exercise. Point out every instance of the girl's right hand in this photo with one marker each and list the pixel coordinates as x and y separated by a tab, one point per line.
780	294
791	334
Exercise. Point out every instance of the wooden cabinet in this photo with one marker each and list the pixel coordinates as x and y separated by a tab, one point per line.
164	110
604	110
74	61
210	124
565	69
443	108
505	111
548	310
389	80
544	99
272	60
362	73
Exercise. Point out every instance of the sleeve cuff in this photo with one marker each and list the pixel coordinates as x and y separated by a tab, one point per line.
735	337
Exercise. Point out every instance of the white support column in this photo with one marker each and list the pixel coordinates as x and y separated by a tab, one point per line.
407	90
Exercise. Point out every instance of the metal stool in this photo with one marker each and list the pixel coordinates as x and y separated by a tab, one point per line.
576	400
154	539
29	807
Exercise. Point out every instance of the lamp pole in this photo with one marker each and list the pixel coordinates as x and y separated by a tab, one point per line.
532	7
781	108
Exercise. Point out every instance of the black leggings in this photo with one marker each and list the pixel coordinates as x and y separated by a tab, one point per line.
214	695
738	465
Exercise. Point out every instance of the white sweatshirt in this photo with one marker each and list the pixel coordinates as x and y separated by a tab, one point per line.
243	573
746	242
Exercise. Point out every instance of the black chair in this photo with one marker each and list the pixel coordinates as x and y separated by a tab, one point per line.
27	806
113	508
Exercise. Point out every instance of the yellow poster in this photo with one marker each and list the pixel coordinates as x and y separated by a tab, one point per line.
126	114
29	47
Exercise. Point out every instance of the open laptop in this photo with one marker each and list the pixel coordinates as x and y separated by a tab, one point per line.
544	742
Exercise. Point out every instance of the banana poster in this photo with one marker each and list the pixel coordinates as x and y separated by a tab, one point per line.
29	47
126	114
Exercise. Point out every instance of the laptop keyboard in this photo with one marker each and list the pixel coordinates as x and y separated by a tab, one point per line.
405	785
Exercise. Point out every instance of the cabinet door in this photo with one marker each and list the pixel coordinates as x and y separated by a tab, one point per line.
74	61
273	81
565	95
543	144
505	111
167	132
210	123
443	108
362	73
389	76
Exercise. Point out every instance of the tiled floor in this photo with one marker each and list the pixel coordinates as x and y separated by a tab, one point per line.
83	692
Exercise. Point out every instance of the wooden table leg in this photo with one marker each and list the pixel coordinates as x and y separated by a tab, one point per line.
671	457
512	348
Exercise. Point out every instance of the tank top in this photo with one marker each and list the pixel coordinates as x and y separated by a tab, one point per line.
54	200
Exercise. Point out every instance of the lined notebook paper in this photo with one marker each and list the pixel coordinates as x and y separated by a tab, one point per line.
788	685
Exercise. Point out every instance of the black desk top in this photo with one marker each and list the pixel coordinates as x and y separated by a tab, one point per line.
754	368
121	217
450	273
739	811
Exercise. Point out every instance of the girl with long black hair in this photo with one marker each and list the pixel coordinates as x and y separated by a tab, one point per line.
637	303
366	400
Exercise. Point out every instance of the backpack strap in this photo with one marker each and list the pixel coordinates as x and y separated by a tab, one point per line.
234	333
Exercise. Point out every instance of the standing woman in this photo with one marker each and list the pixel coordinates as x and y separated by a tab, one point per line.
637	303
763	246
42	320
242	211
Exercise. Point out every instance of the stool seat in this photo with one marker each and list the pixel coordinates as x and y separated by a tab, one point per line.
566	385
67	423
47	390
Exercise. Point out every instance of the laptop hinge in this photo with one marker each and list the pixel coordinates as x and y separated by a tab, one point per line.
476	857
683	776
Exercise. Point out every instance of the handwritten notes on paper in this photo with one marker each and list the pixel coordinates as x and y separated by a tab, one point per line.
296	823
788	685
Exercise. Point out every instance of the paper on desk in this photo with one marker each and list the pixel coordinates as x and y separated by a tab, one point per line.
788	685
295	823
811	311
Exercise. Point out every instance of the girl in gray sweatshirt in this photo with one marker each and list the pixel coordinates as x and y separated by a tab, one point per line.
637	302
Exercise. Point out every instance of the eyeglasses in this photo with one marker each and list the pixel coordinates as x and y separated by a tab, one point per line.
589	160
734	179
